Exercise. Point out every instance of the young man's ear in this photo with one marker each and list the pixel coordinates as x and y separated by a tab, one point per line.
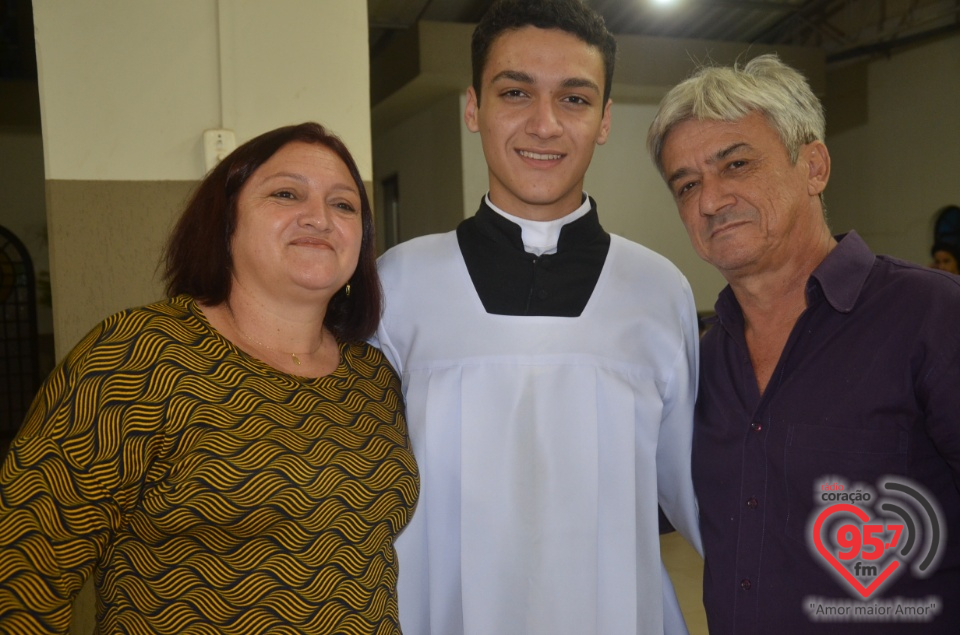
470	111
604	124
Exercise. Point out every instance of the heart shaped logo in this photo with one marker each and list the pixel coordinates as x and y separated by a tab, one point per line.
851	539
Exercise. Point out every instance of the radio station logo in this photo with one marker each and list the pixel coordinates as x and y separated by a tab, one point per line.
869	537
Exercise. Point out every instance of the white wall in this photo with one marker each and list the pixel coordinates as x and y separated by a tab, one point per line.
294	60
424	152
894	169
128	86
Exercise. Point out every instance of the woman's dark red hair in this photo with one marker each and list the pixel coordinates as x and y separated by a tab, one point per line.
197	258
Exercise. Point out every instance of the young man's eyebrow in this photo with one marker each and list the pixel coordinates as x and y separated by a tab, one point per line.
580	82
526	78
516	76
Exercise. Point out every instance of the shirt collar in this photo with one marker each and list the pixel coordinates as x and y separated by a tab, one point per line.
844	271
542	237
840	277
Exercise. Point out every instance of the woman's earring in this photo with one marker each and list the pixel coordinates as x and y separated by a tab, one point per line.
347	289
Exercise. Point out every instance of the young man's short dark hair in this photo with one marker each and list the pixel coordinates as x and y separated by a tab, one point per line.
571	16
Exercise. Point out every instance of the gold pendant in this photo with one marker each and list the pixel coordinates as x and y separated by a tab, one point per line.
296	359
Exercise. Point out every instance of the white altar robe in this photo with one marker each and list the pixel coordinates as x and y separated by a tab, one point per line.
544	445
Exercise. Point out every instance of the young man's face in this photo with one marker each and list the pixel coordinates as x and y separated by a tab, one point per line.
542	115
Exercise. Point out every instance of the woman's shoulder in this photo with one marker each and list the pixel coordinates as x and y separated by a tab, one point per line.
177	308
175	319
367	360
358	351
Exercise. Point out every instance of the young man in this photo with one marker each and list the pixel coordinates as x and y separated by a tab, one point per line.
549	368
827	436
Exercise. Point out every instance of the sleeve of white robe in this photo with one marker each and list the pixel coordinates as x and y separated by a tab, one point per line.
381	340
674	478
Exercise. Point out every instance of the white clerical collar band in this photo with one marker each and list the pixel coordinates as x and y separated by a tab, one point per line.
541	237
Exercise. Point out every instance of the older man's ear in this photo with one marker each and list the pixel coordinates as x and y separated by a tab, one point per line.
818	159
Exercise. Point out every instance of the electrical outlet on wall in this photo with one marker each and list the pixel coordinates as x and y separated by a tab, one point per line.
216	145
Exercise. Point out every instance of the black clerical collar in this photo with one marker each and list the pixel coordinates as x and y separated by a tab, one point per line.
510	281
496	227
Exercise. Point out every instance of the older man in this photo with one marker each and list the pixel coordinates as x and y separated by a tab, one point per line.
827	435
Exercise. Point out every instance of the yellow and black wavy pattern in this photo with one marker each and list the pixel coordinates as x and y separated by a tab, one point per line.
207	492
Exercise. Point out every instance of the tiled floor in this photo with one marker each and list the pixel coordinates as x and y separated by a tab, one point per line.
686	571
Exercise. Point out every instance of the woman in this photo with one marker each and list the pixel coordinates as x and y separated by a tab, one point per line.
234	459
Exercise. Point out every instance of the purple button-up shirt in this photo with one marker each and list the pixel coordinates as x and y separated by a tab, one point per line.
867	386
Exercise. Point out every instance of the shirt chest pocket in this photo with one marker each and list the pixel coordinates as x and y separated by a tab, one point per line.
818	455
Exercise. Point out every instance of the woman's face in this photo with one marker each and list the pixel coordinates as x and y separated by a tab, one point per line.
944	261
299	225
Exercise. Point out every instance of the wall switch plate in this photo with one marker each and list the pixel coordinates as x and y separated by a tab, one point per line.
216	145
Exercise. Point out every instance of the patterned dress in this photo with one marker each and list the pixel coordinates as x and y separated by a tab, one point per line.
206	491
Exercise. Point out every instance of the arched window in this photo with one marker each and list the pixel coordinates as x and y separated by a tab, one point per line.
19	372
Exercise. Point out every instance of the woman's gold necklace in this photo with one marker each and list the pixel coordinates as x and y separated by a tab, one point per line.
293	356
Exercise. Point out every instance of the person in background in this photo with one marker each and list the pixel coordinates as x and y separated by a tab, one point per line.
827	366
945	258
549	367
233	459
946	237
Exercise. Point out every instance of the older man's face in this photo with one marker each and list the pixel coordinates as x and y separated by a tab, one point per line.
746	207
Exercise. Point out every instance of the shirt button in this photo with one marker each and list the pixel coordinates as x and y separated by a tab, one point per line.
752	502
542	294
745	584
756	426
